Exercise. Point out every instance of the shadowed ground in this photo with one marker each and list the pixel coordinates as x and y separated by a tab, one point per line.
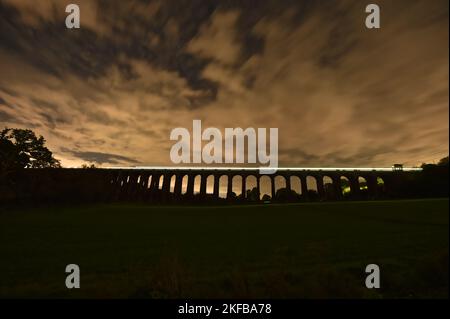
315	250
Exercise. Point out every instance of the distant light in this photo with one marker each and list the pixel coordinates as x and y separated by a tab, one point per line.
283	169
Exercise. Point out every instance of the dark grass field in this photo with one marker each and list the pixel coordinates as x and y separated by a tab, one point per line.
316	250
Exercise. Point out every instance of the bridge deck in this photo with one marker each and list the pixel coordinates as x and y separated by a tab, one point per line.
282	169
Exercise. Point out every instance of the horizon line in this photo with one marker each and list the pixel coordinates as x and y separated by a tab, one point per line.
234	168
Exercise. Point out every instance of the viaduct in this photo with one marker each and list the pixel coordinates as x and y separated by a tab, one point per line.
208	184
179	183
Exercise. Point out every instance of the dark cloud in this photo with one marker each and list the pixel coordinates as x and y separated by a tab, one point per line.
340	94
117	31
46	105
5	117
3	102
101	158
295	155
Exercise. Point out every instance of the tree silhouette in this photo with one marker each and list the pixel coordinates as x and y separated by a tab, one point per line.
88	166
443	161
253	195
21	148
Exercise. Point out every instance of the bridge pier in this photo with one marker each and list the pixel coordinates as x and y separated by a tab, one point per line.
190	186
178	185
337	187
203	180
216	186
372	186
119	185
132	186
148	187
166	184
287	179
229	185
244	188
354	187
272	186
143	186
320	187
258	187
304	186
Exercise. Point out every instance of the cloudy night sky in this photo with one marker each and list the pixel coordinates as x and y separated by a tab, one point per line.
341	95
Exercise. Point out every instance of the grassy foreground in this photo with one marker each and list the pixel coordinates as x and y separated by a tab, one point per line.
316	250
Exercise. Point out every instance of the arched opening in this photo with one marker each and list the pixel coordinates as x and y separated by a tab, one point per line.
363	187
149	182
280	182
172	183
265	186
197	182
311	183
210	184
184	184
237	185
381	187
252	194
362	182
328	188
161	181
142	182
280	187
223	186
296	184
345	187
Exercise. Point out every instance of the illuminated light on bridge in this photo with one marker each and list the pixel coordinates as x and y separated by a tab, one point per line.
279	169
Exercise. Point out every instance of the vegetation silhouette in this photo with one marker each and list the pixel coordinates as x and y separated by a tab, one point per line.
21	148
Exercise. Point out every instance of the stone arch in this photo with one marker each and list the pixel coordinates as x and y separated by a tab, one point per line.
345	186
251	183
296	184
265	187
184	184
210	184
160	182
173	180
223	186
312	189
236	186
149	181
380	184
197	183
363	185
280	182
251	180
311	182
328	187
141	185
